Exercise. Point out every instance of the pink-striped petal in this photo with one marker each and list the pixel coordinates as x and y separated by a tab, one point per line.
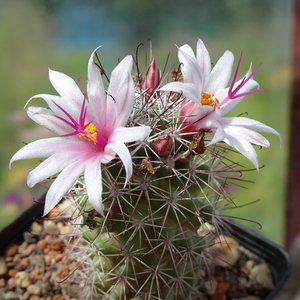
204	62
189	90
51	166
63	183
66	87
189	66
45	117
46	147
248	123
96	92
121	91
244	147
93	183
220	74
124	154
248	135
131	134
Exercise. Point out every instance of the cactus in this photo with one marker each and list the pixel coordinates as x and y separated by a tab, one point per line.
138	239
146	246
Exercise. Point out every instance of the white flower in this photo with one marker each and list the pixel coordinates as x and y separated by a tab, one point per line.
91	132
208	99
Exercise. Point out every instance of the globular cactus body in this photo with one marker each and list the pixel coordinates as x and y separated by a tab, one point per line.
147	246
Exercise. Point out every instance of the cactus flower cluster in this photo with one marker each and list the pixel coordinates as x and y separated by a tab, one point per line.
144	164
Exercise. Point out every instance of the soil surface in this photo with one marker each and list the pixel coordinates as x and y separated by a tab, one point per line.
37	269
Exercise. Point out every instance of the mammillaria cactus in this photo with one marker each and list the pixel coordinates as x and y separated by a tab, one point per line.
145	166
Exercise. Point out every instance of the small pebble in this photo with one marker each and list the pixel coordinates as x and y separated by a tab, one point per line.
16	258
225	251
29	237
220	291
52	229
11	282
23	264
53	213
37	260
11	250
210	287
58	297
2	283
42	245
261	278
49	238
26	295
37	273
22	247
58	257
64	230
34	289
10	295
36	228
3	266
57	245
29	249
12	273
62	271
22	279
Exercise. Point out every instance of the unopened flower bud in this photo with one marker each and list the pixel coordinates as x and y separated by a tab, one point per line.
163	144
152	78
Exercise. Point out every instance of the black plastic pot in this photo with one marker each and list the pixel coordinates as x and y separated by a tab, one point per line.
13	233
274	255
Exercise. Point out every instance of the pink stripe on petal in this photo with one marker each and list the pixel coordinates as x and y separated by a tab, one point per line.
63	183
93	183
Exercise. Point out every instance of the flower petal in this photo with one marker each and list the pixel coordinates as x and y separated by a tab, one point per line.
63	183
220	74
189	90
218	136
204	62
46	147
93	183
131	134
249	123
51	166
95	91
51	99
248	135
243	147
124	154
190	68
45	117
66	87
121	90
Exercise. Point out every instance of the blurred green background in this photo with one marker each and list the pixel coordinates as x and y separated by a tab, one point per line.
61	34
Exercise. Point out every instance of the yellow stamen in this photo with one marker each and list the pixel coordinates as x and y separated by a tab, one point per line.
208	99
91	133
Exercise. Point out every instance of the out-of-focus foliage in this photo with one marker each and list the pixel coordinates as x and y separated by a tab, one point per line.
37	34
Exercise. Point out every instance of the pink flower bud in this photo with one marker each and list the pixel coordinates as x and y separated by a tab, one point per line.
163	144
152	78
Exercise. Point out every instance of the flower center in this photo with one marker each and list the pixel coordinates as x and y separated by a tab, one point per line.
208	99
90	133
